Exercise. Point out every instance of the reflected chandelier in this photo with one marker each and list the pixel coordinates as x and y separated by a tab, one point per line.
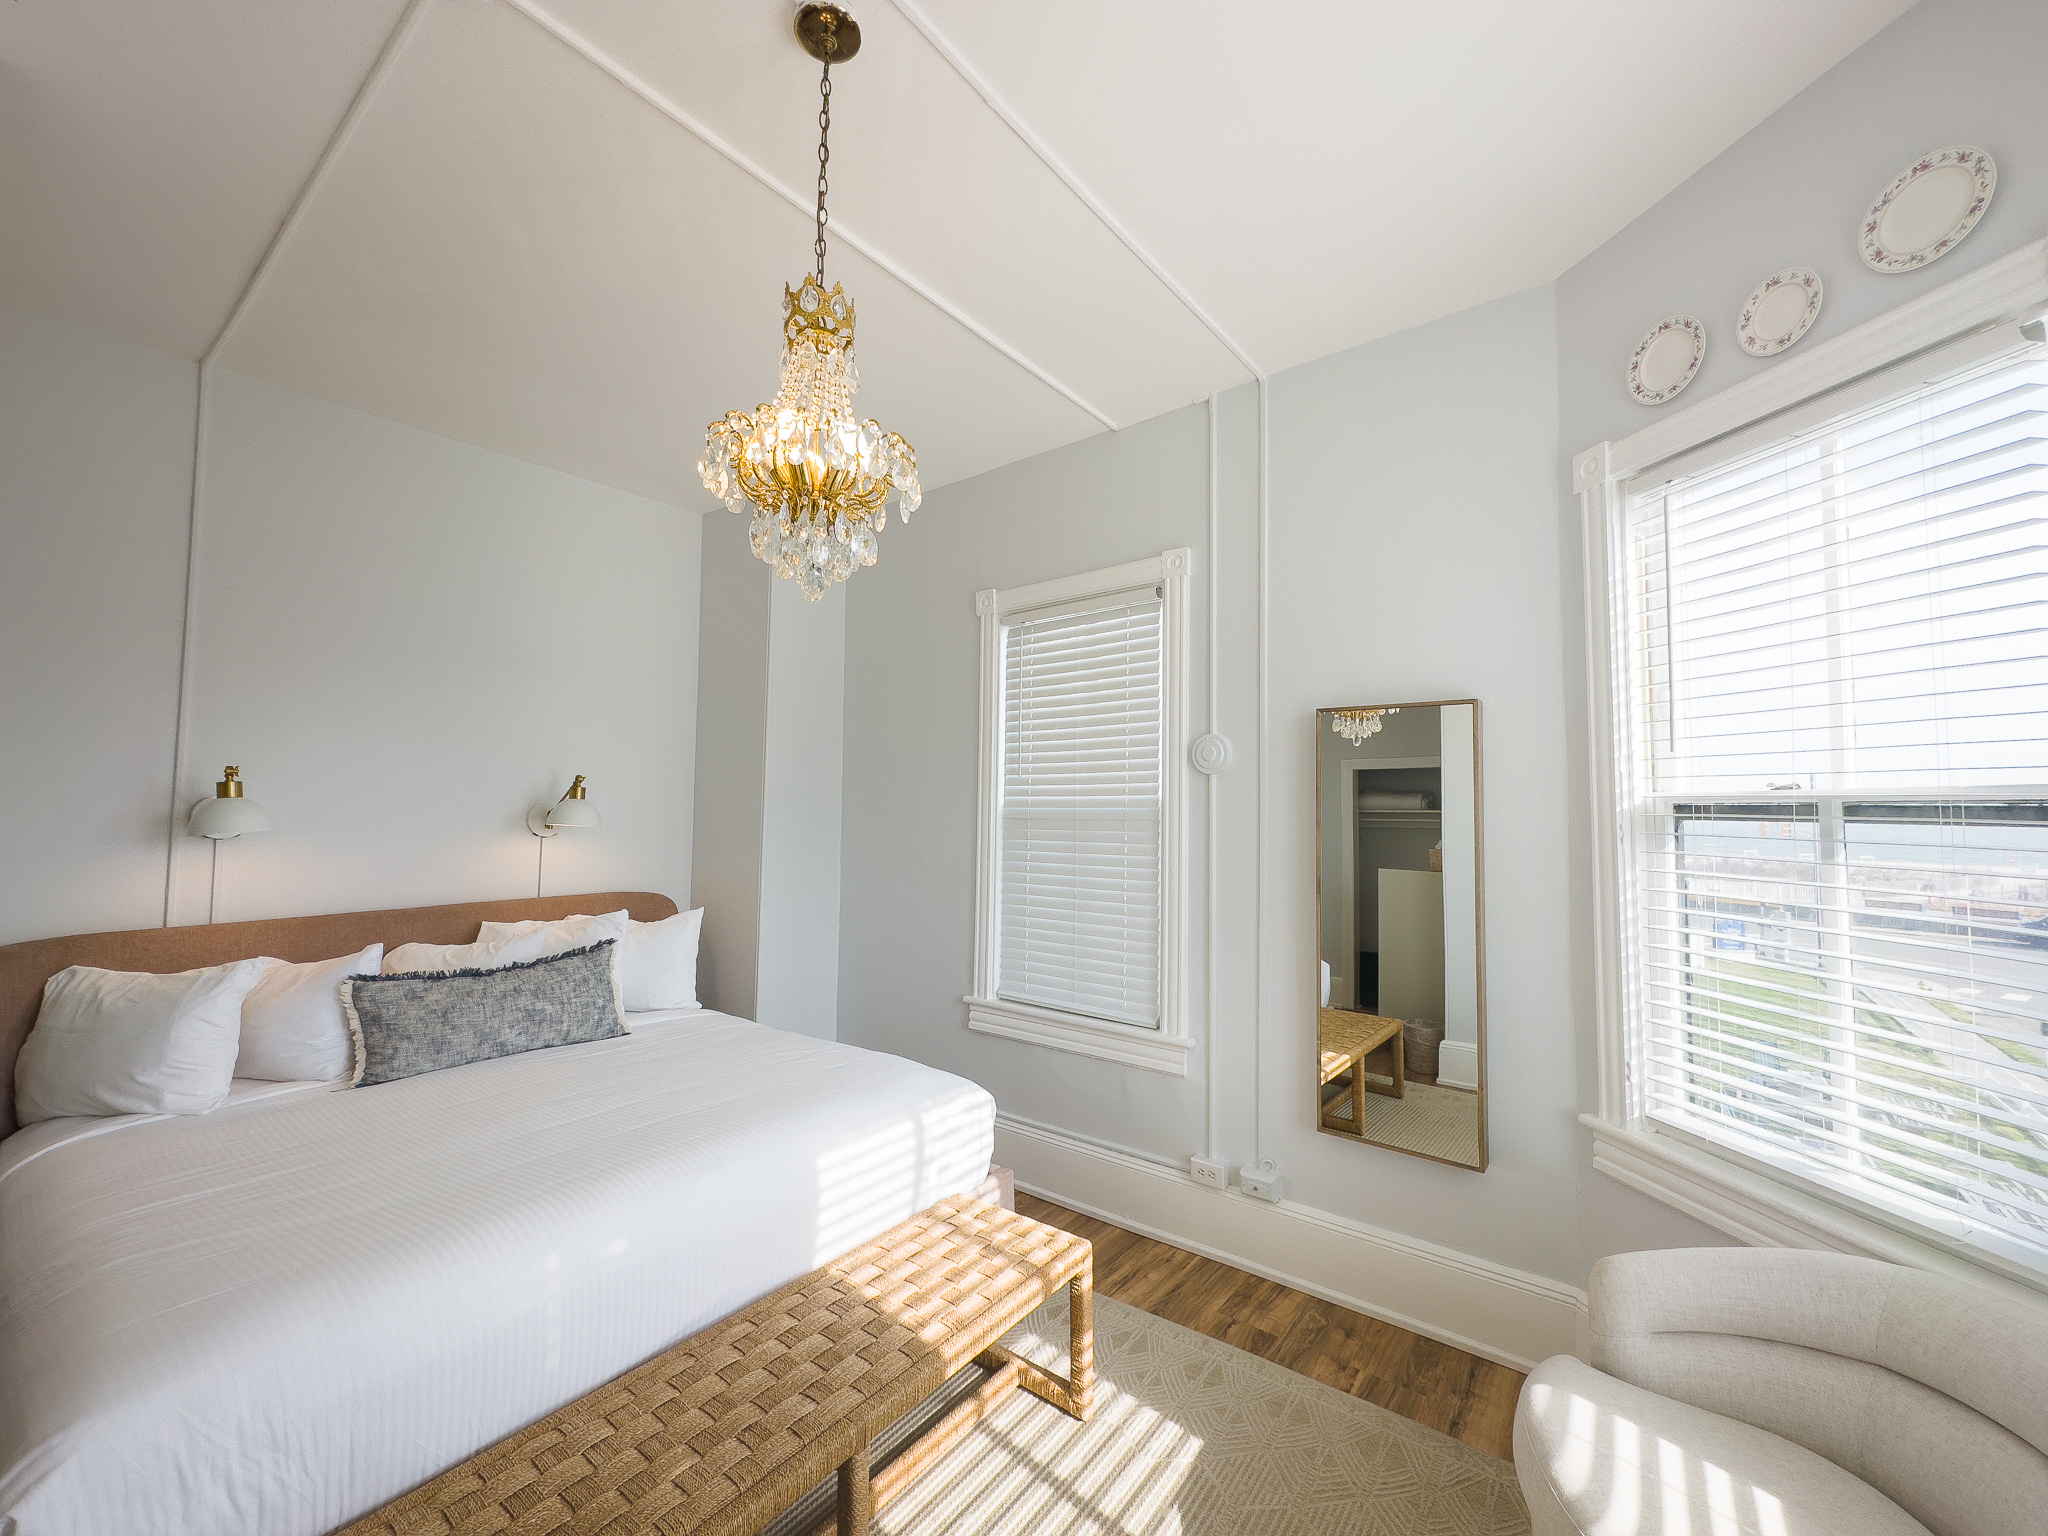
1354	725
816	479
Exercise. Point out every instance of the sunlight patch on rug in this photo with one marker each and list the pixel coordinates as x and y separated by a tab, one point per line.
1191	1437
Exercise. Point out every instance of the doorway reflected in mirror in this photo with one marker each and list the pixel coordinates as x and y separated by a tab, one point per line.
1400	1021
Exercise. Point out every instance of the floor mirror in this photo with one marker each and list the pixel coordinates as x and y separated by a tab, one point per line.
1401	989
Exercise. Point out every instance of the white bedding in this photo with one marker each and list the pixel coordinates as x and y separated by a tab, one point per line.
282	1314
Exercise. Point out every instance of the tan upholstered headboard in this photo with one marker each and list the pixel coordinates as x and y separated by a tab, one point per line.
25	967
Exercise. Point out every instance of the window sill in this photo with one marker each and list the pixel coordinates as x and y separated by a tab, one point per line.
1126	1044
1766	1213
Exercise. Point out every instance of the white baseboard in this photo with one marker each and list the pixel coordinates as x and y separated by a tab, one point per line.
1505	1315
1457	1064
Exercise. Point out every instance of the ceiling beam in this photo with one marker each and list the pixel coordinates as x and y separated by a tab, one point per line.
804	204
393	45
1052	162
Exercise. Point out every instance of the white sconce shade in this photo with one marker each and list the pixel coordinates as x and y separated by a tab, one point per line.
574	813
229	813
572	810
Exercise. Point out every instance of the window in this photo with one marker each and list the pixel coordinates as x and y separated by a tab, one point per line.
1078	884
1831	699
1078	911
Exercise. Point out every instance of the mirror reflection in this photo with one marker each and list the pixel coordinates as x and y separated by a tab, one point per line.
1401	1015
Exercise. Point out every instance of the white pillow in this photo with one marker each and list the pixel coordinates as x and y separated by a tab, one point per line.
658	962
491	951
131	1043
293	1029
657	966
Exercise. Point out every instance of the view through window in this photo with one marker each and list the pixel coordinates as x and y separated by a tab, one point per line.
1838	691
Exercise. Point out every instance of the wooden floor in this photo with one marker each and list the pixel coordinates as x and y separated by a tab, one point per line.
1462	1395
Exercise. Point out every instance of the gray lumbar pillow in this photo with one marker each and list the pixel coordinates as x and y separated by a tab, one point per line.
423	1021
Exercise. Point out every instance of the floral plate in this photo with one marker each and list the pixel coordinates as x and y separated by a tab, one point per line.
1928	208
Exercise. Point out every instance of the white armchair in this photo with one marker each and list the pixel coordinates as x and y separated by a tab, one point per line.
1776	1392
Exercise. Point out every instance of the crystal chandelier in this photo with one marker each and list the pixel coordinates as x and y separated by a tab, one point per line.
1354	725
815	478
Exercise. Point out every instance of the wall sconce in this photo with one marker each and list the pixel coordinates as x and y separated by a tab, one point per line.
228	814
544	821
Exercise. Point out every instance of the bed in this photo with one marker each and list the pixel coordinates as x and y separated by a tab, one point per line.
279	1315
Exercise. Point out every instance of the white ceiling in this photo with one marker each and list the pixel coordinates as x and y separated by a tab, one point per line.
148	152
559	228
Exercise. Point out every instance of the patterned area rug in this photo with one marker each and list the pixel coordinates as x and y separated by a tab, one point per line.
1442	1122
1194	1438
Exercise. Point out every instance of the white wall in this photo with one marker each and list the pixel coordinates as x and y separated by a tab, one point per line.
798	987
1421	546
95	491
912	643
405	642
1419	563
1791	191
732	757
1406	561
1462	735
769	748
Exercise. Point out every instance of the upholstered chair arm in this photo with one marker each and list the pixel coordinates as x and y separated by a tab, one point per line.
1933	1390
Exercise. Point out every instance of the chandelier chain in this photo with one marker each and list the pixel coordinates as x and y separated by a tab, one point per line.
818	481
824	158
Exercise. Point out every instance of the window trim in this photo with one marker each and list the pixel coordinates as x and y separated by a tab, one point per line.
1166	1048
1766	1208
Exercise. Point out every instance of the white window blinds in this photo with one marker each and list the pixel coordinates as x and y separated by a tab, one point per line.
1838	698
1079	885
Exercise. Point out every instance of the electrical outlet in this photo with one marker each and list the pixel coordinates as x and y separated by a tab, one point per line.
1202	1171
1259	1185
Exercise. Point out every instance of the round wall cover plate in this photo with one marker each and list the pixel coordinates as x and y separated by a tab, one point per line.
1666	359
1779	311
1928	208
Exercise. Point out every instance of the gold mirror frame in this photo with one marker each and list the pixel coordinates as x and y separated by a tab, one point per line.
1318	1076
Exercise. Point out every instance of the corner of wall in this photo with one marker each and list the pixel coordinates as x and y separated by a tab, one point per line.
732	743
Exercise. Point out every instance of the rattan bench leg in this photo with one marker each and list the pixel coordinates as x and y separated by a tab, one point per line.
937	1440
856	1494
1075	1395
1081	1342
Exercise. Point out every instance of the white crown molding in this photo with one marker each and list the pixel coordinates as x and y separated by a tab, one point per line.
979	85
805	204
1503	1314
2005	289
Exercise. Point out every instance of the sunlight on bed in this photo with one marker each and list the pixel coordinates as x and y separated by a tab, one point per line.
868	1184
863	1186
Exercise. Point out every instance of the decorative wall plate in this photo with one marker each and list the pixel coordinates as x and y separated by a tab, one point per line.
1779	311
1666	359
1928	208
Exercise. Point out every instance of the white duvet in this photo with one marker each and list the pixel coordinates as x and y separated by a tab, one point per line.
280	1315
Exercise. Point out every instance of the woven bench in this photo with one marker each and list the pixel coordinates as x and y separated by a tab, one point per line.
720	1434
1343	1042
